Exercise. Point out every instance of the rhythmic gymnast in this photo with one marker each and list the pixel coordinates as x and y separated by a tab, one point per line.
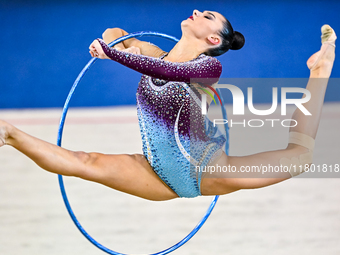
172	126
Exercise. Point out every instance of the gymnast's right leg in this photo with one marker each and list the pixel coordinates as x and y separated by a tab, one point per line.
131	174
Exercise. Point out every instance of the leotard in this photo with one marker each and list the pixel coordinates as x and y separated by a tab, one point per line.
177	139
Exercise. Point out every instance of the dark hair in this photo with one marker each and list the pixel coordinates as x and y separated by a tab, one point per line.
230	40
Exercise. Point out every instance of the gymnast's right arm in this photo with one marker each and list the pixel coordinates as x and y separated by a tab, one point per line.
144	48
206	71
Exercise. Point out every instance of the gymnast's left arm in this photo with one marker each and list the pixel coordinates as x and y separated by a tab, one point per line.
209	70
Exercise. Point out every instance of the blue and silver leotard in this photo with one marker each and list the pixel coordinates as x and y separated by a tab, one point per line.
177	139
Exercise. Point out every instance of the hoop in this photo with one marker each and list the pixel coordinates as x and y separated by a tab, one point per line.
60	177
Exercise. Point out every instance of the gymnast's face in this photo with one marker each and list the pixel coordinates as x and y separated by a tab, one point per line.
204	25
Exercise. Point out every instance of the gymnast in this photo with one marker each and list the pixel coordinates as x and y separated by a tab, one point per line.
174	132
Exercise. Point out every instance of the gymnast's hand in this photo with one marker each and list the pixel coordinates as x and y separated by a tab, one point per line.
96	50
133	50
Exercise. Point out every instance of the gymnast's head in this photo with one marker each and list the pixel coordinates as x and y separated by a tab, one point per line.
214	32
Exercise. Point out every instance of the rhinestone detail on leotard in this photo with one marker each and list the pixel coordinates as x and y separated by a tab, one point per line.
176	137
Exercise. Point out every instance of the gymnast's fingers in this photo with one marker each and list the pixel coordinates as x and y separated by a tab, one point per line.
92	45
137	50
133	50
96	50
92	53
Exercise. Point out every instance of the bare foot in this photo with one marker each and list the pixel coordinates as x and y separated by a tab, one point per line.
3	133
321	62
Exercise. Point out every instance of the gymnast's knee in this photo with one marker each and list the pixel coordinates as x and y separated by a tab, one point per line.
218	186
86	163
303	146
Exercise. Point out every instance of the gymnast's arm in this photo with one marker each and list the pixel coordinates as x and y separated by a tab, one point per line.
145	48
209	69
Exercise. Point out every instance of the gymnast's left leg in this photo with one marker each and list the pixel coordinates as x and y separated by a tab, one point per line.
298	153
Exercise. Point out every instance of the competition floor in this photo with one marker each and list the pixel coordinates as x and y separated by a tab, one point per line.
298	216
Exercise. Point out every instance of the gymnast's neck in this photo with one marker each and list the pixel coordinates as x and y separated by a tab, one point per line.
187	48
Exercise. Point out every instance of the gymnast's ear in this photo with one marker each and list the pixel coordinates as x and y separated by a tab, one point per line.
214	40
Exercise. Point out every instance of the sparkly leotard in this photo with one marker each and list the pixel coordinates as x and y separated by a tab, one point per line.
177	138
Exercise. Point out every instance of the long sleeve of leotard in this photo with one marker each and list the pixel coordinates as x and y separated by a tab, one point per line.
205	70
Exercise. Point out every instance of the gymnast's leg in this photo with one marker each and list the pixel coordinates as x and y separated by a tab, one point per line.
131	174
320	64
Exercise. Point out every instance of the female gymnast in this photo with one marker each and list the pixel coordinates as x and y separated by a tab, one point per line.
172	126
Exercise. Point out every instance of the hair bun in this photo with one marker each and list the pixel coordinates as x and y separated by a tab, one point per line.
238	41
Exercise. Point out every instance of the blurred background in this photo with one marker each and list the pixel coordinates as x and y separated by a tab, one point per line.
45	44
